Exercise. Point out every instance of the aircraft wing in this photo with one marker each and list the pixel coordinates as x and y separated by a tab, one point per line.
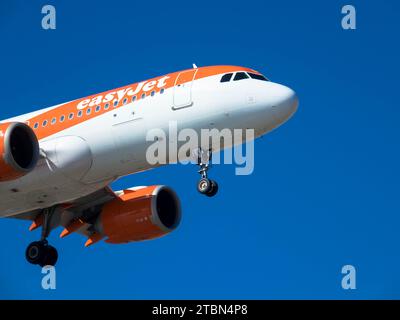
76	216
133	214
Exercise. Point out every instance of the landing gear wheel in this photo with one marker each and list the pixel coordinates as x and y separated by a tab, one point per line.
41	253
36	252
214	189
51	257
204	186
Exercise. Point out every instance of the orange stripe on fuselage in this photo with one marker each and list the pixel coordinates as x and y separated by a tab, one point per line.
109	97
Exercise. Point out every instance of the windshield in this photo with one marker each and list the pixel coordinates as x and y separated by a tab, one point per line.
257	76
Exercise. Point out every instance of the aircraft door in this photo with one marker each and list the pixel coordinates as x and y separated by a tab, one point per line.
183	89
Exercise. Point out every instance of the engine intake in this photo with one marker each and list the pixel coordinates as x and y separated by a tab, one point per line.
19	150
140	214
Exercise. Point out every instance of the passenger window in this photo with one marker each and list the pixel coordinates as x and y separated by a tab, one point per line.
143	95
97	109
71	116
62	118
88	111
44	123
240	76
53	121
115	103
36	125
226	77
106	106
80	113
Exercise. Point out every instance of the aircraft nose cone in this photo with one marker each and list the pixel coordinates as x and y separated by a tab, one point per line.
287	103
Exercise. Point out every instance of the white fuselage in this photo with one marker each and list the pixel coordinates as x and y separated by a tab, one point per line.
85	157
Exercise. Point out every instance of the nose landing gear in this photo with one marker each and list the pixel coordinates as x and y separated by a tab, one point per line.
40	252
205	186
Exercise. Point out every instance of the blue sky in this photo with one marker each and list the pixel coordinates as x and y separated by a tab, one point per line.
325	188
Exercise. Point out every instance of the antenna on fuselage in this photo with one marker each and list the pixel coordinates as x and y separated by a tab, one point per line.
194	66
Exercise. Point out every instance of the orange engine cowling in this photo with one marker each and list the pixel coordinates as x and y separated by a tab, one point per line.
19	150
139	214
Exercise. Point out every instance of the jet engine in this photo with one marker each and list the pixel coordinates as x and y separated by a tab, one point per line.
139	214
19	150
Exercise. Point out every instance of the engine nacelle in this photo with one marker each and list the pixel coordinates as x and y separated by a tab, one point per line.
139	214
19	150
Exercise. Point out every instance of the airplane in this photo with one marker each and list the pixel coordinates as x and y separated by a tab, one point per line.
56	164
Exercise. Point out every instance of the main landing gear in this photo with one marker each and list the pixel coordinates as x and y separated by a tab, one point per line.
205	186
40	252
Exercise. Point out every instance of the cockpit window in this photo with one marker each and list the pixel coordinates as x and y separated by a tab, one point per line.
258	76
240	76
226	77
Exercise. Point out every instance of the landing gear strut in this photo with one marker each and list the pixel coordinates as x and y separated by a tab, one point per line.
205	186
40	252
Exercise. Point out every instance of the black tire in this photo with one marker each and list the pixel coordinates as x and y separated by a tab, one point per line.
204	186
36	252
214	189
51	257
